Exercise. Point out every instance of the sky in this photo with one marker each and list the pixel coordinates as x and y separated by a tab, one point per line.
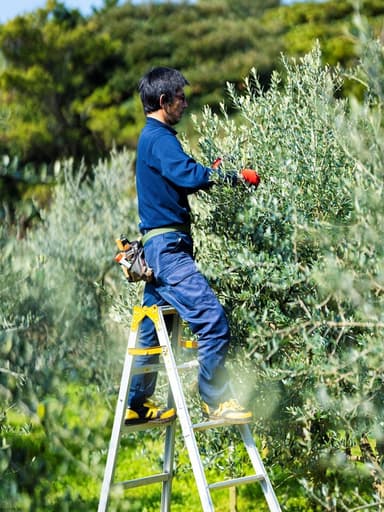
11	8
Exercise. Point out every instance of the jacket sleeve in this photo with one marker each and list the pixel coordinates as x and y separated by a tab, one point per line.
178	167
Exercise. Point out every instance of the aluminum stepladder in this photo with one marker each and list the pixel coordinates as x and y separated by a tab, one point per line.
175	399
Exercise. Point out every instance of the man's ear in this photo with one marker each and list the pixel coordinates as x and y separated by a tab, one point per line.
164	100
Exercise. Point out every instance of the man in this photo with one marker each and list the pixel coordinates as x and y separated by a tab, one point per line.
165	176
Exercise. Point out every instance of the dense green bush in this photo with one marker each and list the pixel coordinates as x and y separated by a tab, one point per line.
299	266
56	325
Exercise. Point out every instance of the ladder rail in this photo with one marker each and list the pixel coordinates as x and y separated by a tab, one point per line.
126	378
169	449
258	466
185	421
188	365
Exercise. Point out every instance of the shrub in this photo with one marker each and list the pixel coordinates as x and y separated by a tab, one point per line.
56	326
298	264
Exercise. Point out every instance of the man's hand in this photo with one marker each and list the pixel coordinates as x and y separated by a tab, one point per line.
250	176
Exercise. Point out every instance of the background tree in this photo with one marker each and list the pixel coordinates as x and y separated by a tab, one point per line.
70	83
55	60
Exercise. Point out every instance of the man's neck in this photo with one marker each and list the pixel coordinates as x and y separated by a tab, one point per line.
158	115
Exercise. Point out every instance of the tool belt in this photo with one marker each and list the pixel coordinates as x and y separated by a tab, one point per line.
132	261
166	229
131	254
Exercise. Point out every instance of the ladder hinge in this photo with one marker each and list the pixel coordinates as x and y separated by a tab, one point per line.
140	312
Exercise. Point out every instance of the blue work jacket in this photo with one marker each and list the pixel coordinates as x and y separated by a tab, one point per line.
165	176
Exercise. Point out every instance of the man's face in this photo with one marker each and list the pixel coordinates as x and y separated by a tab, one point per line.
174	111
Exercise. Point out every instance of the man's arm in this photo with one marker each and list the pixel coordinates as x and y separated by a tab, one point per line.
178	167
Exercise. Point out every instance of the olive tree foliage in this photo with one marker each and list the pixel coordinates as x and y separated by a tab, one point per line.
60	274
57	327
298	264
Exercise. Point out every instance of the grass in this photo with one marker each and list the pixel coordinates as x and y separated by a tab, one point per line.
58	456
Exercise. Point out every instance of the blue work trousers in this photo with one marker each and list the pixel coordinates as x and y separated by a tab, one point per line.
179	283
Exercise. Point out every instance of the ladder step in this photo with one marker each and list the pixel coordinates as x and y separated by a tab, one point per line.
188	344
145	351
147	369
147	480
150	351
168	310
237	481
204	425
146	426
188	365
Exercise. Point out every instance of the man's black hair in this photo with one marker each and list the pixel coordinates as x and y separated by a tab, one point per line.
160	81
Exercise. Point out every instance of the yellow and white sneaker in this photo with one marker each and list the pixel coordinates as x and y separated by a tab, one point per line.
149	413
230	411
